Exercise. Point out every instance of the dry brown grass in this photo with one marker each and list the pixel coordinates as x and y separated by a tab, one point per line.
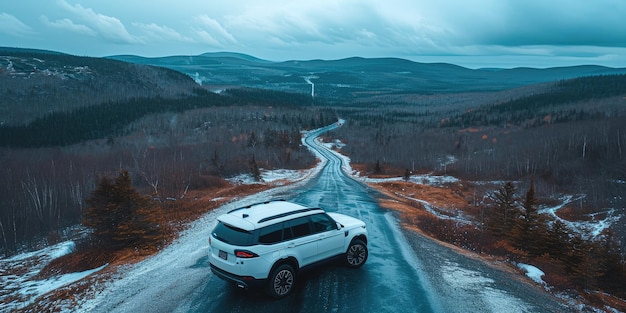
460	196
177	214
198	202
447	199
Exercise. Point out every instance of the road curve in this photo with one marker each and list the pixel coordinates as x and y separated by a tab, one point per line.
379	286
403	273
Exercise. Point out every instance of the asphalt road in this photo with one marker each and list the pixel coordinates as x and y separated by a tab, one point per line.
405	272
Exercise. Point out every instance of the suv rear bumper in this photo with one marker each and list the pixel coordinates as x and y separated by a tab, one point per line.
245	282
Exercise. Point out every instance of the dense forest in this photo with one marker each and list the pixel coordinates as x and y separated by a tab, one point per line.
170	146
35	83
109	119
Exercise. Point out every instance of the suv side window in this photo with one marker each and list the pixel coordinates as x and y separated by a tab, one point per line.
271	234
299	227
322	223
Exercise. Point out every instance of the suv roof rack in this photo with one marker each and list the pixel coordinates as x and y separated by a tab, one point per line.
251	205
269	218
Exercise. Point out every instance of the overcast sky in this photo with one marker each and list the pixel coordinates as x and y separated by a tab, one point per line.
471	33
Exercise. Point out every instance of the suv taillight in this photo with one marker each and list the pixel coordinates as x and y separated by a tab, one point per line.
245	254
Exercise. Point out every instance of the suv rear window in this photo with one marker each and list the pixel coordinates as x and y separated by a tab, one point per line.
233	235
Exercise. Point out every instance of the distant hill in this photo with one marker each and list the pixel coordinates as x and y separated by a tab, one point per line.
36	82
356	78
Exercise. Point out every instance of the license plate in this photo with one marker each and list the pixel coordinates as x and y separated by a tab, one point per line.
223	255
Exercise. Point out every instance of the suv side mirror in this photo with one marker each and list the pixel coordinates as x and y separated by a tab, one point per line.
339	226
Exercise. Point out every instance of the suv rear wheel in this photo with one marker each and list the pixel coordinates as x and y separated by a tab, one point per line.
356	254
281	281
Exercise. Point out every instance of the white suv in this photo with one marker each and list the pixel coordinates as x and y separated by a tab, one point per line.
267	244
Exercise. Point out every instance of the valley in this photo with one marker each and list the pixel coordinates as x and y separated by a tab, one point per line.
183	125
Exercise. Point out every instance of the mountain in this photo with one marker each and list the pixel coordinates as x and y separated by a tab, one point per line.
36	82
356	78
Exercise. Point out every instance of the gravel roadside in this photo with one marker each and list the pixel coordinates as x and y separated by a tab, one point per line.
467	284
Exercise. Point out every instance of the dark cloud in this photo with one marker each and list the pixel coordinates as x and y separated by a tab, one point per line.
470	31
575	23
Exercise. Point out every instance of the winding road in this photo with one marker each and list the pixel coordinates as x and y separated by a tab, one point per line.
405	272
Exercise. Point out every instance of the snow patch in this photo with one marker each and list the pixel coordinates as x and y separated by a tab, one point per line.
471	281
272	176
588	229
533	273
432	180
23	289
196	77
49	253
36	288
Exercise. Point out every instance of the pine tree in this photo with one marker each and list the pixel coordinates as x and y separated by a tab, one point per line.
504	214
558	240
612	272
254	167
253	141
407	175
121	217
529	232
377	168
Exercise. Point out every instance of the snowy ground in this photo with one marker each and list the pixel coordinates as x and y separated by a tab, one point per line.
21	290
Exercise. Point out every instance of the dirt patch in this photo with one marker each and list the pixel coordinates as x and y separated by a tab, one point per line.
451	200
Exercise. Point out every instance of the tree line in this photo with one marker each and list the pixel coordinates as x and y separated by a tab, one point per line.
110	119
43	190
564	101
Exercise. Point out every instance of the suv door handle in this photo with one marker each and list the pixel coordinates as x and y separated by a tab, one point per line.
291	245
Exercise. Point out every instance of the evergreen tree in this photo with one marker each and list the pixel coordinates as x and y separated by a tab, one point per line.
558	240
377	168
254	167
504	214
121	217
583	262
407	175
253	141
529	232
613	272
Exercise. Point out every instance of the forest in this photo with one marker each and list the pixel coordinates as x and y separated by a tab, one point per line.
71	132
52	164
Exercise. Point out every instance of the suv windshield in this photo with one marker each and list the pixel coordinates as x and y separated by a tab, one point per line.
232	235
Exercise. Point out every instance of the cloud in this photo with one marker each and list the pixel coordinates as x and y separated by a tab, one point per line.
162	33
536	22
108	27
212	32
298	23
286	29
67	24
339	24
11	25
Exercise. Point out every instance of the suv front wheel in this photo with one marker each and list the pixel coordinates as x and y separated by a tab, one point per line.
281	281
356	254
